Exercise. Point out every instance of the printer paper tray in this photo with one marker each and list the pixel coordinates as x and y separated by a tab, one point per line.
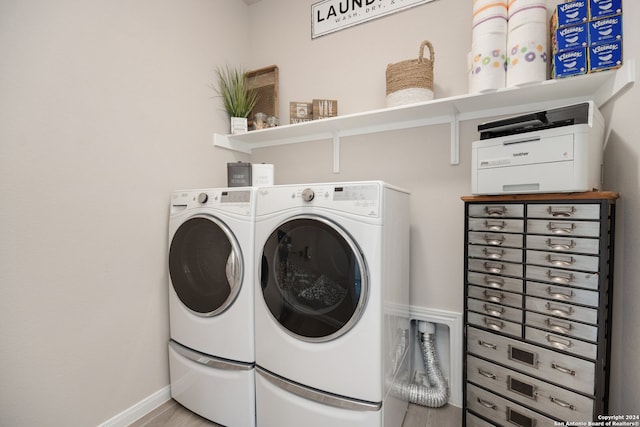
535	178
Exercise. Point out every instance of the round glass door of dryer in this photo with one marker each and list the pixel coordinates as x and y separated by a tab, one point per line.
205	265
313	278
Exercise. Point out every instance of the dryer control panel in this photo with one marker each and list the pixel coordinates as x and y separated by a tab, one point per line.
361	198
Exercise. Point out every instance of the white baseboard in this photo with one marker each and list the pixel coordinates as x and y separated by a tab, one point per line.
140	409
454	322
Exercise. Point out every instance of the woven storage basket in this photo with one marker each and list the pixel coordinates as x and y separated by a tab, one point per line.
411	81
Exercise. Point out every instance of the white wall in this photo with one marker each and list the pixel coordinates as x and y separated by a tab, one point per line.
350	66
104	110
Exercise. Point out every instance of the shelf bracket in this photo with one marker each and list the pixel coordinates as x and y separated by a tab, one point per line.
455	138
621	80
336	152
224	142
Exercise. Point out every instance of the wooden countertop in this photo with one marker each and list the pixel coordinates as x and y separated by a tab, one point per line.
586	195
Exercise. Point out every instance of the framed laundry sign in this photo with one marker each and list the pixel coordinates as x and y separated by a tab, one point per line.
328	16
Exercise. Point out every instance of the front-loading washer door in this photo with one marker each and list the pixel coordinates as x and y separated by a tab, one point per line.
313	278
205	265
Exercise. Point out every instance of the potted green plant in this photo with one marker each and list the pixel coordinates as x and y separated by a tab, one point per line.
238	99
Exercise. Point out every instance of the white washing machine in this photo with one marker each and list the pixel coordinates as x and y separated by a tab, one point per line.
211	350
332	304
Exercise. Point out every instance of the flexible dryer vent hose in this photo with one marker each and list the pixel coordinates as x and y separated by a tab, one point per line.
437	394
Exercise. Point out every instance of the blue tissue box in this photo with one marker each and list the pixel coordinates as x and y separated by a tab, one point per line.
575	12
602	8
571	37
605	30
605	56
570	63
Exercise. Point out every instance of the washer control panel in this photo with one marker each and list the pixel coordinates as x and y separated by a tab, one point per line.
238	201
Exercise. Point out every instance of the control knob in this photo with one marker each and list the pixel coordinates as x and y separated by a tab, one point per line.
203	197
308	194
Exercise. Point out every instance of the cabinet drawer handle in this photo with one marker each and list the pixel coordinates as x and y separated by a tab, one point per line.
493	253
495	225
493	324
493	296
493	310
561	244
564	329
487	374
561	227
495	210
560	343
493	240
487	404
558	277
487	345
555	293
561	211
493	267
563	369
495	282
562	403
558	310
561	261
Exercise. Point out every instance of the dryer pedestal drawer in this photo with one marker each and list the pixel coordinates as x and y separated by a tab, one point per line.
538	308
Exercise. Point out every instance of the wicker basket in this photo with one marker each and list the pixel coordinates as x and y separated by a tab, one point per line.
411	81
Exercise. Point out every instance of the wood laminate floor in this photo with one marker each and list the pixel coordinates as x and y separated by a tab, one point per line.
172	414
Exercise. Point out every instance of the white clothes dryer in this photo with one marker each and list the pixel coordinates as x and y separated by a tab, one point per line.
211	350
332	303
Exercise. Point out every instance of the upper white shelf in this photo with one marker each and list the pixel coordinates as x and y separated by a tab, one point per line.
599	87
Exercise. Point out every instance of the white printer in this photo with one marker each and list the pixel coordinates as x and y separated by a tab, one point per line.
557	150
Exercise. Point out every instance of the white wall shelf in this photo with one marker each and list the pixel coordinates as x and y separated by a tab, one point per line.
599	87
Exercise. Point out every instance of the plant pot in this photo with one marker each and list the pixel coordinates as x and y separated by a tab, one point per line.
239	125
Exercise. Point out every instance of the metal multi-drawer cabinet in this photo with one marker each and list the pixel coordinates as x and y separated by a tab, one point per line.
538	293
